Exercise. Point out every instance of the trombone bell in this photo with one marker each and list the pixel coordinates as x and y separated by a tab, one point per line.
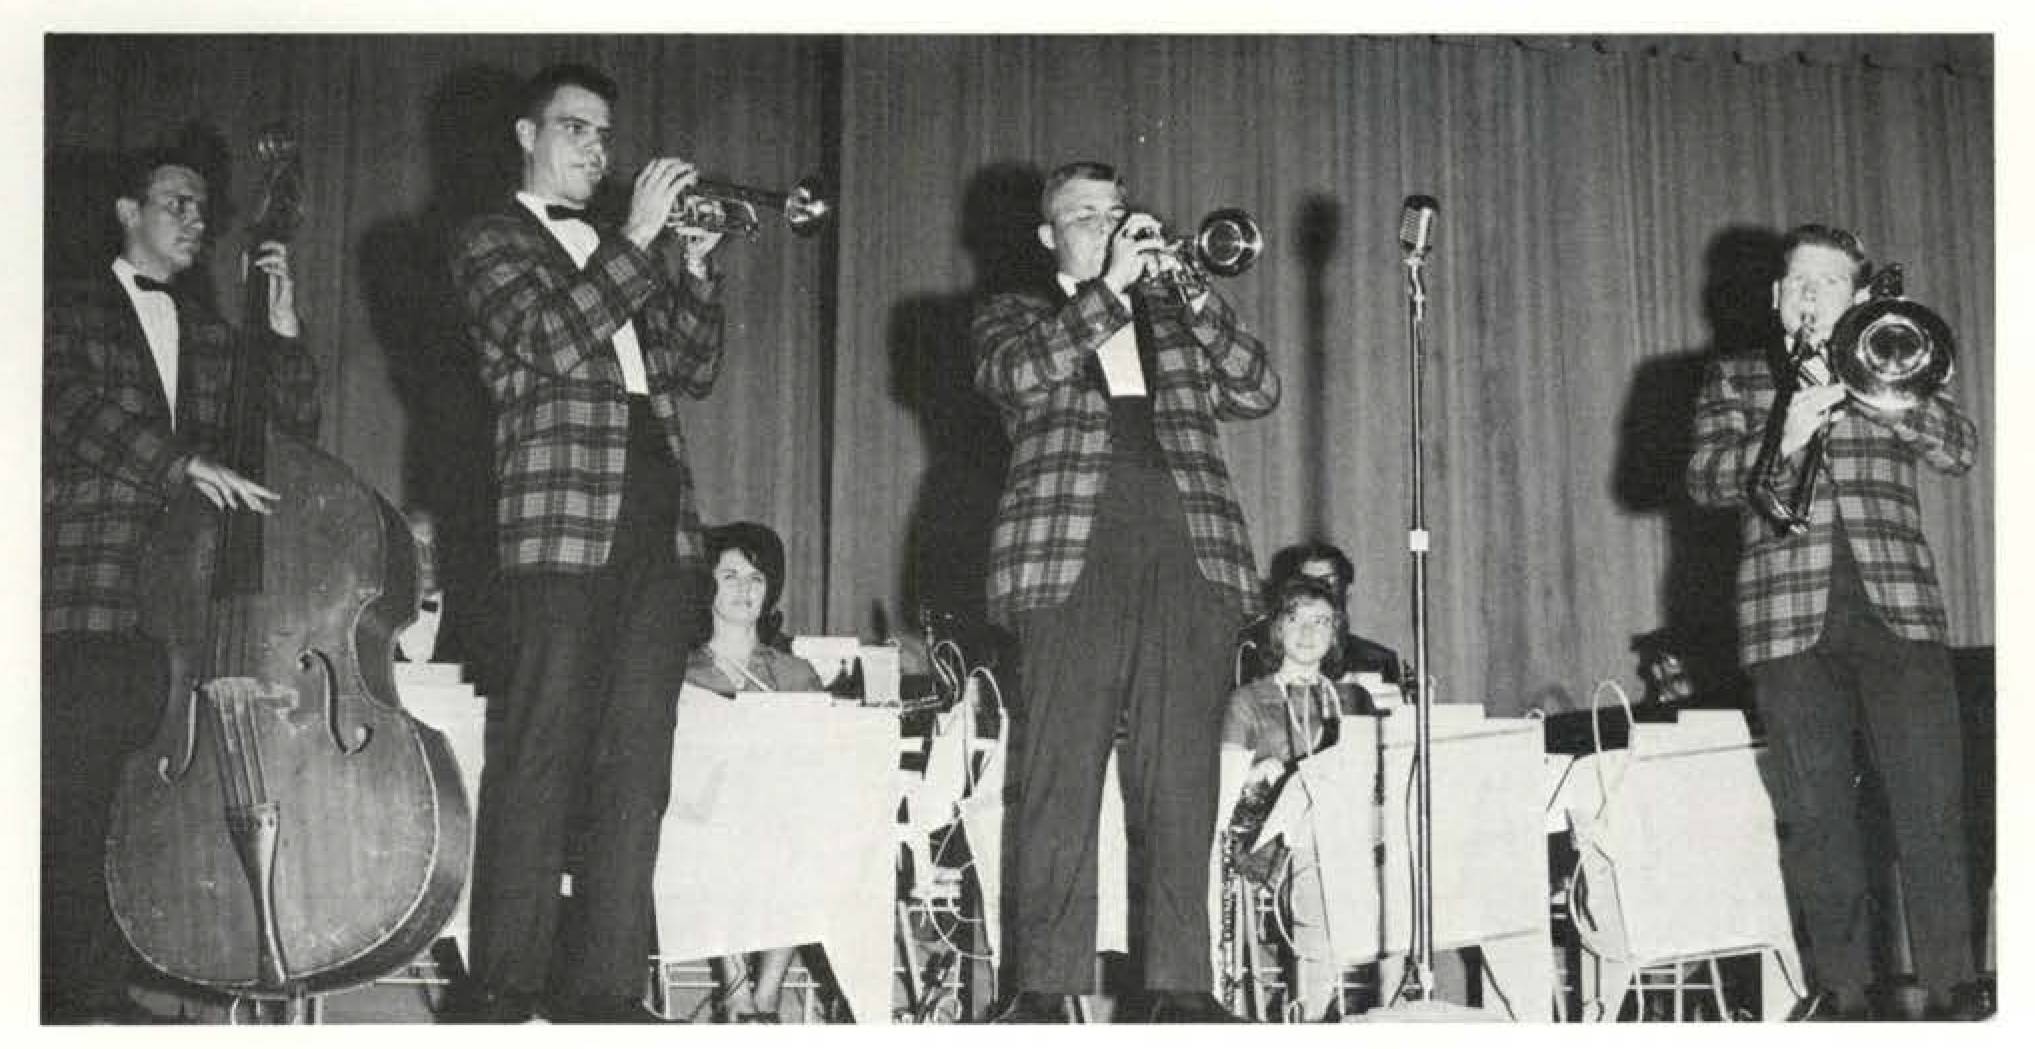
1892	354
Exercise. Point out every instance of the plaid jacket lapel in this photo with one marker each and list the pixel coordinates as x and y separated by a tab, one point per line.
131	341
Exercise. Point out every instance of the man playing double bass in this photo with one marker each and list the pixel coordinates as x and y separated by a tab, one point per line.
134	407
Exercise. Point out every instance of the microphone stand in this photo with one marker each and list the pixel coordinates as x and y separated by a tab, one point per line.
1415	999
1417	984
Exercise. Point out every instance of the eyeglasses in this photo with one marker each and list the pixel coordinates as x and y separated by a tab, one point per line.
182	205
1313	622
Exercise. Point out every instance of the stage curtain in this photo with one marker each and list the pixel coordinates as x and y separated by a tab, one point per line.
405	136
1605	201
1606	204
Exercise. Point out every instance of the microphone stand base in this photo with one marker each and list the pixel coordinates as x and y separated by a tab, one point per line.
1429	1011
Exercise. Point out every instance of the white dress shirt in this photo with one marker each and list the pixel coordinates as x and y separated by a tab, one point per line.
579	241
1121	371
158	314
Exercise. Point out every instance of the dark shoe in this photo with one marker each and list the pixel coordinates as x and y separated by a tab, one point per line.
1189	1007
1969	1002
1898	998
489	1007
1030	1007
758	1018
1827	1006
607	1009
116	1011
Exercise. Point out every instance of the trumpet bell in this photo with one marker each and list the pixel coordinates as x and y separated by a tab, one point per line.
1892	353
1228	242
806	209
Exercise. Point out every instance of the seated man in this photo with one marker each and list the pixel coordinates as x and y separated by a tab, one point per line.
1355	655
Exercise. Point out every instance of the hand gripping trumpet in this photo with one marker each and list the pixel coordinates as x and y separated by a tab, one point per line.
1227	243
724	207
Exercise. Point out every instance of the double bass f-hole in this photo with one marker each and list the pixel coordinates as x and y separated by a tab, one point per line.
282	698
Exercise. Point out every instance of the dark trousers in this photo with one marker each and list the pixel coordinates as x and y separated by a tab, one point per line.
1863	692
1146	639
579	751
101	696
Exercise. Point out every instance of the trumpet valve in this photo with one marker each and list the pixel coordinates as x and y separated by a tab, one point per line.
715	215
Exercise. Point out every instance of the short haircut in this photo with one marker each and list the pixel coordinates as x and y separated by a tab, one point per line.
1818	235
138	170
1290	595
539	89
1286	564
1074	171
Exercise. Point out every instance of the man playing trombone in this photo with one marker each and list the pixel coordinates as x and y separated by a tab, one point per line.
1119	556
1841	627
588	339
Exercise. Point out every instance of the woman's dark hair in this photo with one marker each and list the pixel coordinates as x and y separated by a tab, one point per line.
1286	565
764	549
1290	595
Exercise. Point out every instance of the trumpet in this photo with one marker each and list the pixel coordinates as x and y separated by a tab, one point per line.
724	207
1891	354
1227	243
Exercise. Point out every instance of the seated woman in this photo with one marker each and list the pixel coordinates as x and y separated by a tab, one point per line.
1355	658
746	653
1269	725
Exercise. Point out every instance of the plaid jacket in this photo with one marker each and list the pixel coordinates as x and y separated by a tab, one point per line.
543	327
1784	581
110	459
1035	358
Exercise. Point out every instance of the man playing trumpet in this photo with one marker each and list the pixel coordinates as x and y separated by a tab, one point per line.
588	339
1119	556
1841	628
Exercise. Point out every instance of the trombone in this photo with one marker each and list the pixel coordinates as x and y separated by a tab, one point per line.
1891	354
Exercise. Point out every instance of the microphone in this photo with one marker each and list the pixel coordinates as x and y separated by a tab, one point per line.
1416	226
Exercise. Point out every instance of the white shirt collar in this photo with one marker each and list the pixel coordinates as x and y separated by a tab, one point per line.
126	271
537	203
1070	286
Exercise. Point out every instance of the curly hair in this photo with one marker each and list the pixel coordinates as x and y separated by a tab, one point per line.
1287	597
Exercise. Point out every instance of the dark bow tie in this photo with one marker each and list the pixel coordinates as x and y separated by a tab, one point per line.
562	213
143	282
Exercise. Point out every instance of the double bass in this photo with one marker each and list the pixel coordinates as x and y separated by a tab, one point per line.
289	830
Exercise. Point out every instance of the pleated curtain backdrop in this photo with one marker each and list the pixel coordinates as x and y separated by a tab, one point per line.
1605	205
1602	206
403	137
